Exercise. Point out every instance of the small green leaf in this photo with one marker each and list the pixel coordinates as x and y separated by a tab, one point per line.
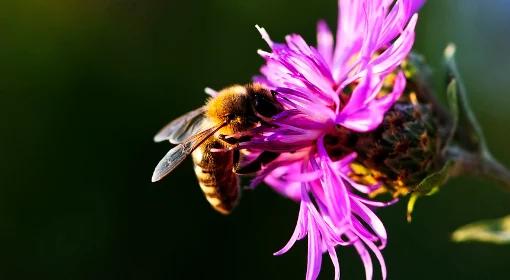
410	206
495	231
429	186
431	183
453	104
468	132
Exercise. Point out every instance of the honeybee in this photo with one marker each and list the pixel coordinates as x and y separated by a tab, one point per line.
210	134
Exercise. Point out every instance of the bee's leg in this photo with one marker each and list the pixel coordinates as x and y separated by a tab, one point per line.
228	139
237	155
255	165
234	140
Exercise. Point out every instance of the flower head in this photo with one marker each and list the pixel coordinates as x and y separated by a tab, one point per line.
328	91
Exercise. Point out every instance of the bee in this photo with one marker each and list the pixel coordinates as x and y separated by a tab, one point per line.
211	134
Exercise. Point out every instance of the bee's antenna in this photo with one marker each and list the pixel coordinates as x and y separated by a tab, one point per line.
211	92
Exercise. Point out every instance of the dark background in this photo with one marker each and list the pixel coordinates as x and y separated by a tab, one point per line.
84	86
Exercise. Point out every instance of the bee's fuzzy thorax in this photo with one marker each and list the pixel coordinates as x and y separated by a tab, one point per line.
232	104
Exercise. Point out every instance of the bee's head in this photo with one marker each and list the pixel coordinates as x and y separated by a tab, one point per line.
242	107
263	102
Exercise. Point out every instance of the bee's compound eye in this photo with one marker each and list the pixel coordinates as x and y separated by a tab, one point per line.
231	116
265	106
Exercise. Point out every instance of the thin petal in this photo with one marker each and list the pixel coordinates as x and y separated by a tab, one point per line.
299	231
265	35
325	42
365	258
377	254
314	252
416	5
372	220
334	260
368	116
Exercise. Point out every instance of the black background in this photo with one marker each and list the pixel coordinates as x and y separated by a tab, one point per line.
84	85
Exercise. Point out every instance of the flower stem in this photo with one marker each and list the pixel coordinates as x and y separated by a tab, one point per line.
479	164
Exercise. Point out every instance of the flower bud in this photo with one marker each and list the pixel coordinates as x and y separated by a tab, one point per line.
406	147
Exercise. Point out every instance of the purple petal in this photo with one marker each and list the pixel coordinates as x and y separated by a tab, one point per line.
360	96
314	252
397	19
397	52
416	5
375	203
377	254
366	117
299	231
337	197
325	42
372	220
334	260
286	189
365	258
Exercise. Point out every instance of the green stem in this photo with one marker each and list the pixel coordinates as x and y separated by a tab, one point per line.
483	164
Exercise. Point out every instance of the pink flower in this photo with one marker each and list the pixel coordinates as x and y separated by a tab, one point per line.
372	40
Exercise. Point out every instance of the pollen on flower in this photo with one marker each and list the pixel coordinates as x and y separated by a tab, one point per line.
413	98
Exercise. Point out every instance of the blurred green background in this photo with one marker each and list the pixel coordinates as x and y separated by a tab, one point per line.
84	86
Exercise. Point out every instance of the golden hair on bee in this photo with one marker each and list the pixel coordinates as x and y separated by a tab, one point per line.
231	105
241	107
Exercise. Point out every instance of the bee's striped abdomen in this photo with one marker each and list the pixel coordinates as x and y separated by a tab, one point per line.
215	175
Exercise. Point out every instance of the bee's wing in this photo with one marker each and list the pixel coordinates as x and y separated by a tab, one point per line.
192	128
178	153
182	128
